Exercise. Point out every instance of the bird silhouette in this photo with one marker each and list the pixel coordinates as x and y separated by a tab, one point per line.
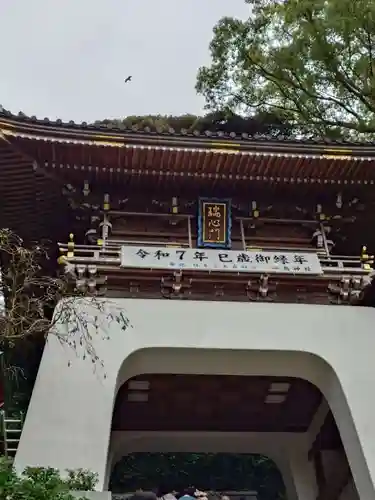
128	79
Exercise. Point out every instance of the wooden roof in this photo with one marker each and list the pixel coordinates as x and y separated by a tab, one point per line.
29	200
231	155
38	157
24	122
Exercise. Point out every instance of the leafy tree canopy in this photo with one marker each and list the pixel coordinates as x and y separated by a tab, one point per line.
264	122
208	471
42	484
311	60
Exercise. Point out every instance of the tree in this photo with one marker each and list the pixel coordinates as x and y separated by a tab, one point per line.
42	484
312	61
208	471
31	292
264	123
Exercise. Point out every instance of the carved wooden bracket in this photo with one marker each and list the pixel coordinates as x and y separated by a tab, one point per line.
260	289
85	278
348	290
175	286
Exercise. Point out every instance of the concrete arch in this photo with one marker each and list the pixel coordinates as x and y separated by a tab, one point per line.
276	446
250	362
212	361
308	341
283	449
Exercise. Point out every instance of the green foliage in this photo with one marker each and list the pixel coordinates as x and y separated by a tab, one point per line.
161	123
209	471
310	60
225	121
42	484
81	480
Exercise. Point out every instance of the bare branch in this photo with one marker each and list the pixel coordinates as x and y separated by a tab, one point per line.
31	295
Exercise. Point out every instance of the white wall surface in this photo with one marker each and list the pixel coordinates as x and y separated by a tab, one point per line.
92	495
69	418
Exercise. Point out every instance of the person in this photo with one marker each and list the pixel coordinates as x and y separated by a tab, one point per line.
144	495
167	494
201	495
188	494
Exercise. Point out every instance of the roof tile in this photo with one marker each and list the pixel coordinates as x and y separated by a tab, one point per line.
22	117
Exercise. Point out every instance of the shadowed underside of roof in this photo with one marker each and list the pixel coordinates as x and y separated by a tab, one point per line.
29	201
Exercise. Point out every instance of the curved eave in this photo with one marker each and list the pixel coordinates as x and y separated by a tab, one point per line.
45	130
114	161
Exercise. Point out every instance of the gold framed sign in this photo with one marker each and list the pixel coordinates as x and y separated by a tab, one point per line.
214	223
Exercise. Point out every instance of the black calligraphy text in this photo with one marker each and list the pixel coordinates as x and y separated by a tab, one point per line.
142	253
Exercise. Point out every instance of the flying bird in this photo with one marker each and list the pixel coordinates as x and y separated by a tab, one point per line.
128	79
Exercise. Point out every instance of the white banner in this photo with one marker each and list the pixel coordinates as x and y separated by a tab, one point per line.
220	260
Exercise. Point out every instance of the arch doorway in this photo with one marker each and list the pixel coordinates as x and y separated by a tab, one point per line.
286	419
252	477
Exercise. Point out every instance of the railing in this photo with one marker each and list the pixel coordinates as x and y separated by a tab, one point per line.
167	216
341	264
187	238
110	256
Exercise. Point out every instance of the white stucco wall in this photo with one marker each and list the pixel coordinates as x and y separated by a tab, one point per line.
92	495
68	423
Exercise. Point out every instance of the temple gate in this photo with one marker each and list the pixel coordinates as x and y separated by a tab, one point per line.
240	266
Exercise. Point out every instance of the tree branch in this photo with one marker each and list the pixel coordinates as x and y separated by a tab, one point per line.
31	298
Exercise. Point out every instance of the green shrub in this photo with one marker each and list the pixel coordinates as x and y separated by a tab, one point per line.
37	483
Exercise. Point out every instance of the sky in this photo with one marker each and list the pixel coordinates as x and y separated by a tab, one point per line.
68	59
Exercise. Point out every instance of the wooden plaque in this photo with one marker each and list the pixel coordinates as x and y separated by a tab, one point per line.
214	223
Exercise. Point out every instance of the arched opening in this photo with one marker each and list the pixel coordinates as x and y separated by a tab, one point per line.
171	415
207	401
245	477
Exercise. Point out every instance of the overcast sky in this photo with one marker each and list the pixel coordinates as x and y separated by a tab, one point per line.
68	59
